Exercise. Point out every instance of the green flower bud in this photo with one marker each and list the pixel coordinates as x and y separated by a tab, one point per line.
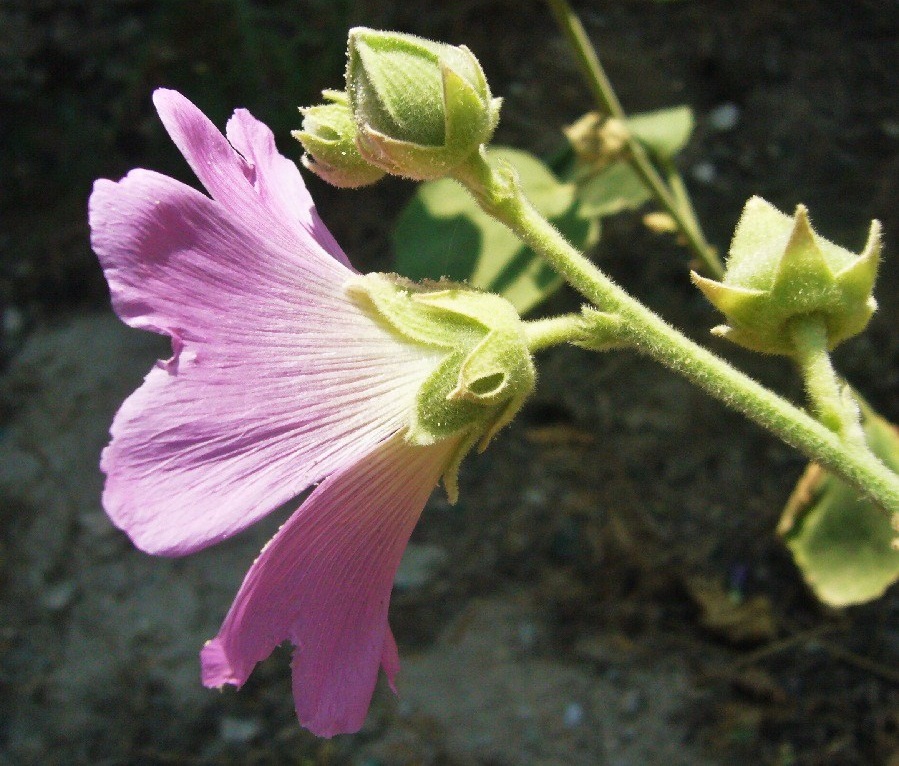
486	371
779	269
421	107
329	138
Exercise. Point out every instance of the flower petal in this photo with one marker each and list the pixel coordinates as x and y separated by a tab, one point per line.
278	181
277	376
262	188
181	264
324	582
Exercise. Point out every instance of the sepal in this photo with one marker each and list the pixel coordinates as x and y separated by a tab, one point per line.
485	370
778	269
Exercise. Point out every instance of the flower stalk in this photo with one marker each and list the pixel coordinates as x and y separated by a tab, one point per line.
831	401
553	331
499	194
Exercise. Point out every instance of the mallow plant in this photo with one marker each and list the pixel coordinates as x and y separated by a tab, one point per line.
291	371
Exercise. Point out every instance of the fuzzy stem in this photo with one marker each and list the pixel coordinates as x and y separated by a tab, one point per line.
587	60
608	102
830	400
543	333
690	221
499	194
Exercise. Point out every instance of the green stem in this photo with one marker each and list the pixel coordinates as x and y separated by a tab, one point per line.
587	60
499	194
608	102
543	333
690	221
831	401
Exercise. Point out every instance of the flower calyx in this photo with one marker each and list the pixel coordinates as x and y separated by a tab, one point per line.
328	137
485	370
779	269
421	107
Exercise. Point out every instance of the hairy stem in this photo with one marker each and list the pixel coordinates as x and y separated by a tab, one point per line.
543	333
831	401
499	193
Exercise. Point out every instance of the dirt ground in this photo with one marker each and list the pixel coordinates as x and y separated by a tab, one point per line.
609	589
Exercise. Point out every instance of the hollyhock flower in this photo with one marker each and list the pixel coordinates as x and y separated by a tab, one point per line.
288	368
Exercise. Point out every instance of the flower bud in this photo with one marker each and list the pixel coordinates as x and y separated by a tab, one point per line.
421	108
597	140
779	269
485	370
329	138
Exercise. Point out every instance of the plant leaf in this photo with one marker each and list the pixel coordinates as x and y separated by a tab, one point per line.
842	543
443	233
617	187
612	190
663	132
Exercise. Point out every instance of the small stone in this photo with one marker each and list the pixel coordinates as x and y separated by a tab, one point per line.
724	117
528	634
534	496
57	597
890	128
420	567
632	702
13	321
704	172
574	715
239	731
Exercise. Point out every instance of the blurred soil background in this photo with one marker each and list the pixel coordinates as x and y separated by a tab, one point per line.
609	589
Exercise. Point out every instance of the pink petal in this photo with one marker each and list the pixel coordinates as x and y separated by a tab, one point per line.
262	188
180	264
324	582
390	658
278	181
277	377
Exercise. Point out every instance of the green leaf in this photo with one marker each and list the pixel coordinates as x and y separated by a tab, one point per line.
443	233
841	543
614	189
663	132
617	187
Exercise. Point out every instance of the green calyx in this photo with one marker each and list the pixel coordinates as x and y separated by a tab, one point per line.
421	108
328	136
779	269
486	372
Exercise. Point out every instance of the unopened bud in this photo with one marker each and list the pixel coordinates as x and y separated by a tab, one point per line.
421	108
329	138
779	269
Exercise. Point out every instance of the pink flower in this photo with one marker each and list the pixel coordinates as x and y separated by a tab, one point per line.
278	380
